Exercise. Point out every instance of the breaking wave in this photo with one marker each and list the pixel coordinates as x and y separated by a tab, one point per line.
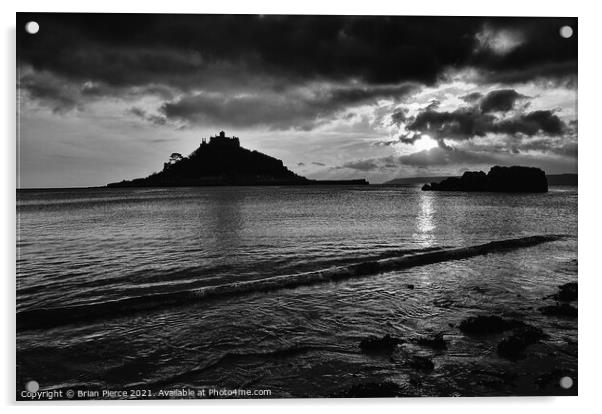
50	317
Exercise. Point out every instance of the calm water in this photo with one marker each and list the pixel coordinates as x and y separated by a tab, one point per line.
96	246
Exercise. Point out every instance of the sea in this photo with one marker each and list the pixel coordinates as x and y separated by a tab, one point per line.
110	281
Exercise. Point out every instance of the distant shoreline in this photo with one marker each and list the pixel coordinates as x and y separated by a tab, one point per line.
553	179
143	183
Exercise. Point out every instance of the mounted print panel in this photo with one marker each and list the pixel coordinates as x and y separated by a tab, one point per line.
274	206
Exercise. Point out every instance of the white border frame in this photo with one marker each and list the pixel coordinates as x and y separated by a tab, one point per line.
590	149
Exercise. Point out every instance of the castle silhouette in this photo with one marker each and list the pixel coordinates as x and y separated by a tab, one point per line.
222	140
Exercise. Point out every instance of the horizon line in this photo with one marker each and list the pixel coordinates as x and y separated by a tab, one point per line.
193	186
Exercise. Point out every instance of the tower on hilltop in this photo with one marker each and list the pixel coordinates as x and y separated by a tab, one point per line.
223	141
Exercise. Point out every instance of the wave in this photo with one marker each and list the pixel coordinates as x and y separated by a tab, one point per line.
51	317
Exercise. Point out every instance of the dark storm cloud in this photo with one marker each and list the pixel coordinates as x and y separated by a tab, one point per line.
299	108
465	123
398	116
479	119
127	49
530	124
472	97
500	100
200	51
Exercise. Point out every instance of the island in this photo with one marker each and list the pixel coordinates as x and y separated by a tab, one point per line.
514	179
222	161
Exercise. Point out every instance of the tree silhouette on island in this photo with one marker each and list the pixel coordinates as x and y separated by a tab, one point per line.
222	161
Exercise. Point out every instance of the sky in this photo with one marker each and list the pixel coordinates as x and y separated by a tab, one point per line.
107	97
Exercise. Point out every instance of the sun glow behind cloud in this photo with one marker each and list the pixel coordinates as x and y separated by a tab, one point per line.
425	143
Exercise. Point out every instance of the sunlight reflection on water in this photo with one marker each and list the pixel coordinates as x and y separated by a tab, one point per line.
425	225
